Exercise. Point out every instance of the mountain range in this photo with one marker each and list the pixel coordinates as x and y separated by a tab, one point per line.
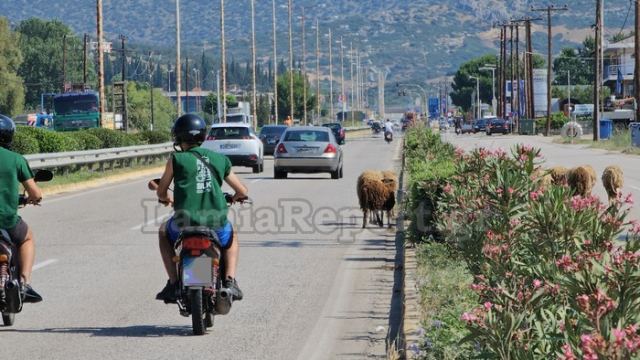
417	39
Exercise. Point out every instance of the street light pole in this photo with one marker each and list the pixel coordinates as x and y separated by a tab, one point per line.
178	64
275	63
253	66
494	103
331	114
478	113
343	98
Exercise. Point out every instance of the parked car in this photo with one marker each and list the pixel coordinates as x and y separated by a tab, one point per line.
443	124
239	143
338	132
495	126
308	149
270	136
479	125
467	128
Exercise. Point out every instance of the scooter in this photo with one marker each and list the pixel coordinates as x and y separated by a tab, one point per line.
11	300
200	268
388	136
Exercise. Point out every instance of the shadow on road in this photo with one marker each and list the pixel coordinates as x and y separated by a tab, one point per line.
145	331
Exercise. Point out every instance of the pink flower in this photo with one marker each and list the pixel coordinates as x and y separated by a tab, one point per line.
468	317
620	335
459	152
488	305
567	353
448	188
537	284
510	191
565	263
629	199
635	227
535	195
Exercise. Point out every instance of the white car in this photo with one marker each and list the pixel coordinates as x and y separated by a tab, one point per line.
239	143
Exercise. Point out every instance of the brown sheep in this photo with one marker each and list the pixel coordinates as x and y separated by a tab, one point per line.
581	179
613	180
373	194
390	180
559	175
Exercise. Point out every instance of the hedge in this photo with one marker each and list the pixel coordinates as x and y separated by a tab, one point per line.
29	140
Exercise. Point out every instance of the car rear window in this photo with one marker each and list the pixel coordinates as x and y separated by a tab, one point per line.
229	133
272	130
307	135
333	126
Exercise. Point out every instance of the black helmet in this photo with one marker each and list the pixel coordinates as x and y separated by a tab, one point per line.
7	129
189	129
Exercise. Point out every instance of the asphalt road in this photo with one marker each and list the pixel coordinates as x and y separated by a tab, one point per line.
563	155
315	285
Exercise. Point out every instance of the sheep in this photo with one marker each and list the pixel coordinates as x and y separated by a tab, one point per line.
390	180
582	179
375	195
613	180
559	175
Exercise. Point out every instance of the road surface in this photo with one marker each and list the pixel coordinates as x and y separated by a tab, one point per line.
315	285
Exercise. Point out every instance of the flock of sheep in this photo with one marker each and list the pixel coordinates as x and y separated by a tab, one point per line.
582	179
377	189
377	195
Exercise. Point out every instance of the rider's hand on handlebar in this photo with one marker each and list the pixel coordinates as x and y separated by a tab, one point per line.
239	198
166	201
34	201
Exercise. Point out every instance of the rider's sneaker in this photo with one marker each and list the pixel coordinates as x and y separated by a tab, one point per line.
29	295
168	294
232	285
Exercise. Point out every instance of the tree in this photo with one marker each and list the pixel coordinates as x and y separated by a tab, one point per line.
464	87
210	105
139	107
263	110
41	43
579	62
299	83
11	84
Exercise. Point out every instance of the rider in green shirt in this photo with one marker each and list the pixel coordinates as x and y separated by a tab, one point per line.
198	200
14	170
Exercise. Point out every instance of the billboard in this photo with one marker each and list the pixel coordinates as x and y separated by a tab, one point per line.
540	90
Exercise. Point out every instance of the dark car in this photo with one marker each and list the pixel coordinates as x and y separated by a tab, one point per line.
270	136
479	125
498	126
338	131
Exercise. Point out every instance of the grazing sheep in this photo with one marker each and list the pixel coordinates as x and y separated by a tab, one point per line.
543	176
582	179
613	180
390	180
374	195
559	175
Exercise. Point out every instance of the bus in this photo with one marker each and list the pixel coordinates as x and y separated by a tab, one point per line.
76	111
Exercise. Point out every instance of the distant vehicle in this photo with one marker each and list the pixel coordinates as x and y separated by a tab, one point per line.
44	121
76	111
467	129
338	132
444	125
308	149
376	127
498	126
239	114
434	107
239	143
270	136
479	125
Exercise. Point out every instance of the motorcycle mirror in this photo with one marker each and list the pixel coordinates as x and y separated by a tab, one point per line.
43	176
153	184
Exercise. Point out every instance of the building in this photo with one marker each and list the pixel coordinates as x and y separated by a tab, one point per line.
192	100
619	67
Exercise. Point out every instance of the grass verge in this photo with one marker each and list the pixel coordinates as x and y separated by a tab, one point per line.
619	141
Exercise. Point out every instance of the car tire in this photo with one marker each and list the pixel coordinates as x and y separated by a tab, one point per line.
335	174
341	172
256	168
279	174
488	133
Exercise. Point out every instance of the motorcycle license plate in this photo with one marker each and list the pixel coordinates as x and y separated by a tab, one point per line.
197	271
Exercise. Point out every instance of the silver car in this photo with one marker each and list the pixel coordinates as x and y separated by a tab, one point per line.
308	149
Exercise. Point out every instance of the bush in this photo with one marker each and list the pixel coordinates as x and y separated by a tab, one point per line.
87	140
113	138
25	143
53	142
155	136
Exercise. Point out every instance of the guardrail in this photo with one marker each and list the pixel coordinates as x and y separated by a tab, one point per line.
124	156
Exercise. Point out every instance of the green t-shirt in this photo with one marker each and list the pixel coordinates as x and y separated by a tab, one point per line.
198	196
14	170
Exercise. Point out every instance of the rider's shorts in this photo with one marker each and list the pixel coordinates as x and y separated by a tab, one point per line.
225	233
18	233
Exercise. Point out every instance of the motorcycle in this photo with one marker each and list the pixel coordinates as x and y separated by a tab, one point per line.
388	136
200	268
10	280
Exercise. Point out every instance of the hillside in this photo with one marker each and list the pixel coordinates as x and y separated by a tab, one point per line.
419	38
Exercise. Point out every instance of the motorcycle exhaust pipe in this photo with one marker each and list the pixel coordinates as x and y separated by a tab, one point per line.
13	297
224	300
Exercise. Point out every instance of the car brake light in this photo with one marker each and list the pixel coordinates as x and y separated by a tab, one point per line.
196	243
330	149
282	149
211	137
246	137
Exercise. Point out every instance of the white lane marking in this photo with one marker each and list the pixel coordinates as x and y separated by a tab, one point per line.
634	187
43	264
78	193
157	220
256	180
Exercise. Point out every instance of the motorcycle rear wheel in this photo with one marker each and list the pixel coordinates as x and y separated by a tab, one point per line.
197	311
208	320
8	319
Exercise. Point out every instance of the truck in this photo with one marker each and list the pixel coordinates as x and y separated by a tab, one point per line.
434	107
73	110
239	114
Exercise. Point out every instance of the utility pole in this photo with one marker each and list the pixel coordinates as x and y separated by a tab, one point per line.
501	72
598	73
549	9
512	66
291	98
530	93
636	78
275	62
186	79
223	56
331	114
100	63
124	57
253	61
219	102
343	97
304	71
64	61
351	80
84	59
518	77
504	72
317	68
151	70
178	65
